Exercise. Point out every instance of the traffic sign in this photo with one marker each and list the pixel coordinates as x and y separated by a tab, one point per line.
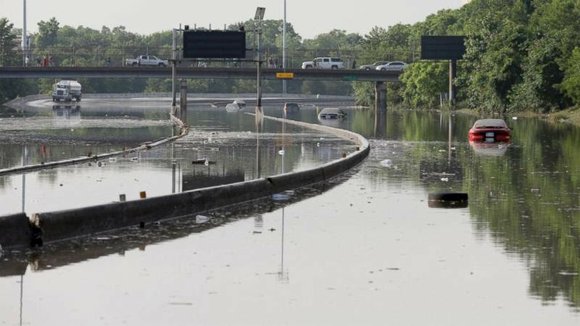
284	75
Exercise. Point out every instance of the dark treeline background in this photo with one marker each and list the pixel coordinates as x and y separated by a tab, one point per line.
521	55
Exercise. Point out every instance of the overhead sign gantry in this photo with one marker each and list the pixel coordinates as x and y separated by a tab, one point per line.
450	48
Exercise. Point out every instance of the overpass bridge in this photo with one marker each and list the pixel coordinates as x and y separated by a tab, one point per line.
196	72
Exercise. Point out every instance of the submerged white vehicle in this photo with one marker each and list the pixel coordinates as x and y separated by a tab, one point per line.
236	106
331	114
66	90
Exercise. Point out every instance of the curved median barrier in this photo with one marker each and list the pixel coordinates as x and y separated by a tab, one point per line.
84	159
66	224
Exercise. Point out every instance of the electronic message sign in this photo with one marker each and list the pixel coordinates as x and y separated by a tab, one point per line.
442	47
214	44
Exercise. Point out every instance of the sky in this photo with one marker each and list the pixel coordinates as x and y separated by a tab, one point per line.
309	18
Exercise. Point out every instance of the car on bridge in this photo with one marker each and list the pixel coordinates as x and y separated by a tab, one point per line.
392	66
373	65
147	60
324	63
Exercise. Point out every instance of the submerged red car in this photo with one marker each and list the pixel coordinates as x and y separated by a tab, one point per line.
490	131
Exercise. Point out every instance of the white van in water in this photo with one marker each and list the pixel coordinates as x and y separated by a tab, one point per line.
66	90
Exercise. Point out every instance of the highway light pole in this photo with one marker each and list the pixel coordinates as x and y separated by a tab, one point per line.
24	43
258	18
284	50
173	68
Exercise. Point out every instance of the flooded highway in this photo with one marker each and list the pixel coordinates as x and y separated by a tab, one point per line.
228	141
365	249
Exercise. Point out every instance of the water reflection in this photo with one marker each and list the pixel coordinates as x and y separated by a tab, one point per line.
283	274
525	194
56	255
489	149
380	124
67	112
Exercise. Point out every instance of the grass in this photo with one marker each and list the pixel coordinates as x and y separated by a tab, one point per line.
571	116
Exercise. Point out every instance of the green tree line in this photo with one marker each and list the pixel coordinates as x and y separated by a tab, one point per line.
520	55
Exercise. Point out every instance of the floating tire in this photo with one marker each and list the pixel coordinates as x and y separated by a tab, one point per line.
448	200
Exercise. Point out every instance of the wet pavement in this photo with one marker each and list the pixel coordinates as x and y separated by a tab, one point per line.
364	250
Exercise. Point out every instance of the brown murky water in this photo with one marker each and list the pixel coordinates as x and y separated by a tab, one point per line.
364	250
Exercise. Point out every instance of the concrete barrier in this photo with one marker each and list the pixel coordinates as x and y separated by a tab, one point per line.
94	158
15	231
67	224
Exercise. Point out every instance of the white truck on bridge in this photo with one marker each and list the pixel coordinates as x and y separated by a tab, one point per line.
324	63
146	60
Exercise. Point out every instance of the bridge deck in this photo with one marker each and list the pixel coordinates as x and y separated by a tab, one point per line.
194	72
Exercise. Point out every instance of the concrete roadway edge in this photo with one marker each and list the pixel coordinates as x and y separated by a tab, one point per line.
21	231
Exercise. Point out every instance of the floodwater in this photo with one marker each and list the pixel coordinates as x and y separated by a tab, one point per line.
365	249
227	141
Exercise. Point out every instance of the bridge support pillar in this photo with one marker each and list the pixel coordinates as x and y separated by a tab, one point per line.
183	101
381	96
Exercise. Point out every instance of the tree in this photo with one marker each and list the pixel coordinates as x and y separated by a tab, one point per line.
388	44
423	82
8	45
538	90
47	32
11	88
335	43
571	83
495	48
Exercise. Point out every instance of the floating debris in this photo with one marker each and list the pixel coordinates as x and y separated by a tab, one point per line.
386	163
200	219
448	200
202	161
280	197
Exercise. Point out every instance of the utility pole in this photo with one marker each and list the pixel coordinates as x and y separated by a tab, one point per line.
24	43
284	51
174	68
259	17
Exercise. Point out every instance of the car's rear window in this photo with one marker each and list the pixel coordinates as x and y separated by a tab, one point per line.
497	123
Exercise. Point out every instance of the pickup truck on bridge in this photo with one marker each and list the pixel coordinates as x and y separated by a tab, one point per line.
146	60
